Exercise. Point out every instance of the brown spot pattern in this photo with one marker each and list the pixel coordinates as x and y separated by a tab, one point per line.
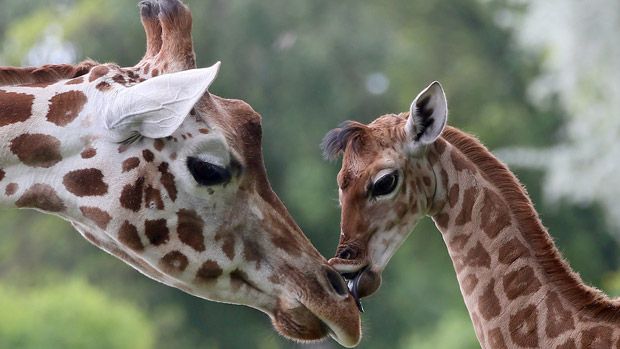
469	198
598	337
284	240
469	284
174	262
43	197
459	162
153	196
189	228
521	282
496	339
444	177
16	107
11	189
167	180
569	344
159	144
512	250
204	131
148	155
559	320
478	257
98	72
442	220
65	107
494	215
119	79
458	242
523	327
488	303
87	182
453	195
2	174
229	242
427	181
209	271
89	153
128	235
131	196
37	150
103	86
130	164
99	217
251	252
440	146
157	231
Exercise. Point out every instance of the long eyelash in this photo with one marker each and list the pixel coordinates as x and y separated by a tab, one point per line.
133	138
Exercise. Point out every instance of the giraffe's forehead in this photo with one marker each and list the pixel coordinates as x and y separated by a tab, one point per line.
365	144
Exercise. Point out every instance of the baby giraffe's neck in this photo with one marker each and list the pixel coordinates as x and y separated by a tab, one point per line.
518	290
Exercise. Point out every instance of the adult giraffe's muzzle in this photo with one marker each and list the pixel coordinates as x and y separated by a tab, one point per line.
313	318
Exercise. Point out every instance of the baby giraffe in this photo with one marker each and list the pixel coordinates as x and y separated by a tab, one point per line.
518	290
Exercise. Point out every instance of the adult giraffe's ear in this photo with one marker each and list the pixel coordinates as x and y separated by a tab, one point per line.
428	115
157	107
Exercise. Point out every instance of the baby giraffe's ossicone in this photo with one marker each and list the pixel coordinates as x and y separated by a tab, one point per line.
518	290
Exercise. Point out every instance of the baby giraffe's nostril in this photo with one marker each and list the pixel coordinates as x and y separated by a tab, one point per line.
336	282
347	253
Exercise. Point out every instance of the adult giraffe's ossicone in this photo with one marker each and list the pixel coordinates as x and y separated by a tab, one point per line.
152	168
518	290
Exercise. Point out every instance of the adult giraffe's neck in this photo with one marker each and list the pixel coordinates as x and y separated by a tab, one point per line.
516	286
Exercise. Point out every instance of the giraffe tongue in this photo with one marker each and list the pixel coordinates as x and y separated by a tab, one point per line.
354	289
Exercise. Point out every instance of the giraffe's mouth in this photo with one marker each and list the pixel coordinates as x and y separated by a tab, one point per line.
303	325
361	279
353	282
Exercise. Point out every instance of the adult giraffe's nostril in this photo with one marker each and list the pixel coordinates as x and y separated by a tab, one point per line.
336	282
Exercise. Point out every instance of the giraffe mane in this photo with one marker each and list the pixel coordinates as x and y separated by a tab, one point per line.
336	140
558	272
45	74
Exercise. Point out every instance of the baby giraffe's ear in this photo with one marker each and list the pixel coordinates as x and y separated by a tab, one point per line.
428	115
157	107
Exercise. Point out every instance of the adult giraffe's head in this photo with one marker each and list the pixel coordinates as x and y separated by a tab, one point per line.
157	171
387	183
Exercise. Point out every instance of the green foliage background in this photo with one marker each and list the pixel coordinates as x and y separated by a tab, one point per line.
304	66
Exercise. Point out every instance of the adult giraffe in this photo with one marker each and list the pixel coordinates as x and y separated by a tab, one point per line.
152	168
518	290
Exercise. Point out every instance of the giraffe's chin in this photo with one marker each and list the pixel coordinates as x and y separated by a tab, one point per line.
302	325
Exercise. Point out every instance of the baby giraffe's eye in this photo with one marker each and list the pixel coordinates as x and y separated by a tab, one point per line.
385	185
206	173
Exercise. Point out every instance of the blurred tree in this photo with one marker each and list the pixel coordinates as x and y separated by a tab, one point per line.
581	73
70	314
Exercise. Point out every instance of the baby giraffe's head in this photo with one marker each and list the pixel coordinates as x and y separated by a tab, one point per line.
387	183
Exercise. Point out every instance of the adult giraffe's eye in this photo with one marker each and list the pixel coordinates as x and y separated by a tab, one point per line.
385	184
206	173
